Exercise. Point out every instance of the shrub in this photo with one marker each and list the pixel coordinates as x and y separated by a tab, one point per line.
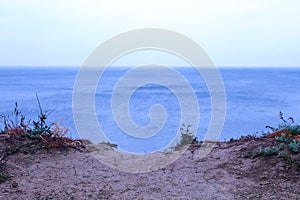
287	127
40	127
48	135
15	124
187	137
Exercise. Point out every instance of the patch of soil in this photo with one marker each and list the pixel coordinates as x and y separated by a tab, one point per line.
225	173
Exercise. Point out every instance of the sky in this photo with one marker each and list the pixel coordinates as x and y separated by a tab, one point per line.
232	32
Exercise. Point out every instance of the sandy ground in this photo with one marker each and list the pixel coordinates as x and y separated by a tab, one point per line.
223	174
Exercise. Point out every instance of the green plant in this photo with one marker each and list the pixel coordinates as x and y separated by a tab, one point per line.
281	146
24	136
294	146
48	135
287	126
286	141
187	137
249	136
268	151
111	144
40	127
282	138
14	124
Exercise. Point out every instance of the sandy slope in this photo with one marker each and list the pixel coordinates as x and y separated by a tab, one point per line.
222	174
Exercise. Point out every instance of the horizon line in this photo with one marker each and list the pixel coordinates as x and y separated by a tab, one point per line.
218	66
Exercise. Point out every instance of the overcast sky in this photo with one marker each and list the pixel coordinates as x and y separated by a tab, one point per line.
233	32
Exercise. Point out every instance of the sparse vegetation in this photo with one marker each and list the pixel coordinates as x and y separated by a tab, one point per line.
286	141
111	145
49	135
14	124
287	127
245	137
23	134
187	137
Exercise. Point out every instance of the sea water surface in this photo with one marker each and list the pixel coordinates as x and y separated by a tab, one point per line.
254	97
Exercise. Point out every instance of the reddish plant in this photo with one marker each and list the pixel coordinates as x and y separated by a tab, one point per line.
16	131
279	133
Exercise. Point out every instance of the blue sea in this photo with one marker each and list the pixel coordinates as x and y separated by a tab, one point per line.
254	97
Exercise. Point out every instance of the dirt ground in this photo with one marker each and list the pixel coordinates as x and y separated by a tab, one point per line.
223	174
